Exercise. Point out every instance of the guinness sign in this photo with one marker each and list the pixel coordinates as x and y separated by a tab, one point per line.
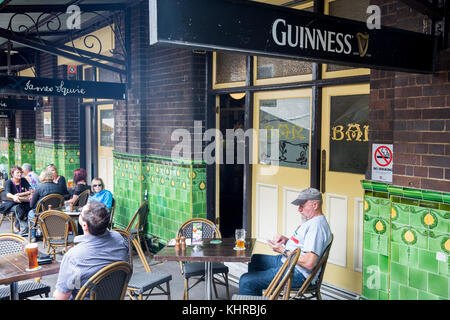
266	30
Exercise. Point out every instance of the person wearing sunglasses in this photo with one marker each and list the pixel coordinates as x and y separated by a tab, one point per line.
100	194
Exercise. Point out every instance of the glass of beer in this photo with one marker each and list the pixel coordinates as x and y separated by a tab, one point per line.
32	252
240	239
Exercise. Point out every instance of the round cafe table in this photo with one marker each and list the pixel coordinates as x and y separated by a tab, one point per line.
209	252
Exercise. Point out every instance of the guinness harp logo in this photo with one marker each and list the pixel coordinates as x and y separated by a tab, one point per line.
363	43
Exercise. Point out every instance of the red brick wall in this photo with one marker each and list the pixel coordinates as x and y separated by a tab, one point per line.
412	111
167	92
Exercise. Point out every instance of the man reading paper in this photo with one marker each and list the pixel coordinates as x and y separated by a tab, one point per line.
312	236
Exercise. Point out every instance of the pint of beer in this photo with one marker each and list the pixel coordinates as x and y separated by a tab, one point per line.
32	251
240	239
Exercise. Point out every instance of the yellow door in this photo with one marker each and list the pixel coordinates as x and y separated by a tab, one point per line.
274	186
344	162
106	144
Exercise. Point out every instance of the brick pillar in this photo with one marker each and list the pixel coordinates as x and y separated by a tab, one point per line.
167	93
63	147
412	111
24	143
406	224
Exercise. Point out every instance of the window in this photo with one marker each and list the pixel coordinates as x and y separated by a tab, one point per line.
292	118
47	124
107	128
349	133
230	68
275	68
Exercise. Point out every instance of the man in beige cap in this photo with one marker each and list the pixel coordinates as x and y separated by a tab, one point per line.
312	236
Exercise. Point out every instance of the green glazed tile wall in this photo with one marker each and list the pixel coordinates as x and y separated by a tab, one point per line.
419	234
24	152
376	248
176	192
128	191
410	260
65	157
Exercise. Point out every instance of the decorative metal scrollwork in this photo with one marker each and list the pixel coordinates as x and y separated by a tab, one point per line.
82	45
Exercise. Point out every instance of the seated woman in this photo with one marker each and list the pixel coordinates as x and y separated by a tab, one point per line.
17	191
43	189
101	195
79	178
59	180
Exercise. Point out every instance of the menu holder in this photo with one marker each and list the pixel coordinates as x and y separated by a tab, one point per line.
197	233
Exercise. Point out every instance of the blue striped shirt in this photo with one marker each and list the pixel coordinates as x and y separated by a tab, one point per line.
90	254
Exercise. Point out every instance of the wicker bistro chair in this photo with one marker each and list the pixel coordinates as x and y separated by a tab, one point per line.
82	198
9	244
196	270
54	200
7	216
281	282
137	224
307	290
55	228
109	283
141	282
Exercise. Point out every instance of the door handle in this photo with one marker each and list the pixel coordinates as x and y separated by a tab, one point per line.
323	171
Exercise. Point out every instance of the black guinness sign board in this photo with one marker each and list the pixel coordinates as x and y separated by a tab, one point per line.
268	30
61	88
17	104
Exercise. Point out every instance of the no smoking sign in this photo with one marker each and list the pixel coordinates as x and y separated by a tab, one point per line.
382	156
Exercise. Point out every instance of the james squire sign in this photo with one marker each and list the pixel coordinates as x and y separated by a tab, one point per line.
61	88
260	29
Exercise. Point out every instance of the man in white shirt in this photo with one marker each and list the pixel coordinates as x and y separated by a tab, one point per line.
312	236
30	175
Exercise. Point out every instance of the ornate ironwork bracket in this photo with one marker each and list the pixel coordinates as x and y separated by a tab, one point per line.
49	23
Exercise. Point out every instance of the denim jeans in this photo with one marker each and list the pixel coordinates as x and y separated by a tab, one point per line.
20	224
31	216
261	271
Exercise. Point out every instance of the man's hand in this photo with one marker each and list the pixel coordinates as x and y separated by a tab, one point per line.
278	238
277	246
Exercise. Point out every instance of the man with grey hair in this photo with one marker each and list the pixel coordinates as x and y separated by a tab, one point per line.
312	237
30	175
95	249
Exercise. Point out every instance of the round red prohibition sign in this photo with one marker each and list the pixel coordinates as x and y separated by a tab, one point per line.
385	154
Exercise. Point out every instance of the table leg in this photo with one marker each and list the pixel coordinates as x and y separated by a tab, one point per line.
13	291
208	280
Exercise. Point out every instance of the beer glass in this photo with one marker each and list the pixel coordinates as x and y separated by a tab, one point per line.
240	239
32	252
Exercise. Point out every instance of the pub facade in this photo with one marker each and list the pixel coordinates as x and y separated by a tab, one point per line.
338	121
